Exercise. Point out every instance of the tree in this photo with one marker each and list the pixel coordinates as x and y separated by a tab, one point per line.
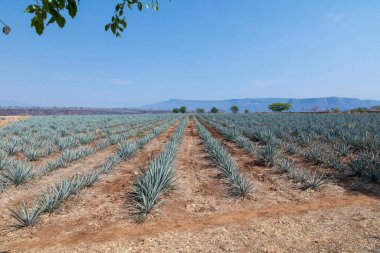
234	109
182	109
359	110
48	12
246	111
214	110
175	110
200	110
279	107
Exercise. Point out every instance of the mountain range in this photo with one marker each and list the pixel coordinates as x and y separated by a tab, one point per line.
261	104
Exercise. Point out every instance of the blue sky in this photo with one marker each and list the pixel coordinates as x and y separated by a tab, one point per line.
194	49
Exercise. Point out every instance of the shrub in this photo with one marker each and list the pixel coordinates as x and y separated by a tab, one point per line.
279	107
234	109
214	110
182	109
200	110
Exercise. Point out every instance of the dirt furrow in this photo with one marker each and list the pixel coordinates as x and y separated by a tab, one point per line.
118	232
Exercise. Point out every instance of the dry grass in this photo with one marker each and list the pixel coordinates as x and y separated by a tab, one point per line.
10	119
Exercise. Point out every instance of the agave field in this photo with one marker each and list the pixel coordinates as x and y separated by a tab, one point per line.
85	181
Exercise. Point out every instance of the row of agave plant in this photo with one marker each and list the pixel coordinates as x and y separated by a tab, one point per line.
328	144
17	173
237	183
157	178
35	144
53	197
269	155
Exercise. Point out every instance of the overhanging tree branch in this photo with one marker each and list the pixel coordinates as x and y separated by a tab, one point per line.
48	12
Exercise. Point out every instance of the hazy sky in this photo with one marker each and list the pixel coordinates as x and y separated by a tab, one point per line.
194	49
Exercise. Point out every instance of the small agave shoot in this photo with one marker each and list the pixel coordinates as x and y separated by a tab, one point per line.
26	216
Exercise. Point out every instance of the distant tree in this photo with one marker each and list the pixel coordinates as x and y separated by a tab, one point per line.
279	107
234	109
214	110
176	110
359	110
200	110
246	111
335	110
182	109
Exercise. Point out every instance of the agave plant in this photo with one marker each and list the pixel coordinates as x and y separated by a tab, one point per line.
3	162
56	194
102	144
314	180
11	147
314	154
292	148
127	150
342	148
268	155
89	179
18	173
284	165
373	171
86	138
26	217
31	153
358	166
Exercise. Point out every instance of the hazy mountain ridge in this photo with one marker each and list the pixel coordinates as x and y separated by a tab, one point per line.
261	104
